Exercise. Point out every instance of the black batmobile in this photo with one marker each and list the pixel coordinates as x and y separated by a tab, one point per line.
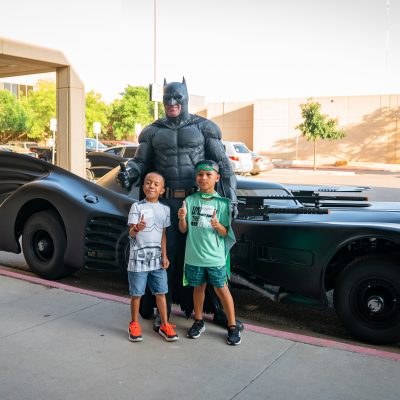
300	242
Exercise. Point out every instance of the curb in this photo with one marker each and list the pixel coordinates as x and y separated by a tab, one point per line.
314	341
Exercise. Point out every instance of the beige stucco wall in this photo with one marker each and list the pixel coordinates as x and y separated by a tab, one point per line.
371	124
235	120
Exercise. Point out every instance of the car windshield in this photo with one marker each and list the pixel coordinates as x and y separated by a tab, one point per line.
267	193
241	148
94	144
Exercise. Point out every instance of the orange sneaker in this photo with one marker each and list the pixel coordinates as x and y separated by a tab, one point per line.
135	332
168	333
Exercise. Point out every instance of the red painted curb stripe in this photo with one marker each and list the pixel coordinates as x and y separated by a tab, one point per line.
252	328
323	342
57	285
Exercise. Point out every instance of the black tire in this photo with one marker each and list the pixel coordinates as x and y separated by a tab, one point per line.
44	244
254	173
367	299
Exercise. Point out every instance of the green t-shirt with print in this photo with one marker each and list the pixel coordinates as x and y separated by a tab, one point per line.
204	246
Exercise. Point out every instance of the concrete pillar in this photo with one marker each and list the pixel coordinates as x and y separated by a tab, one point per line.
71	121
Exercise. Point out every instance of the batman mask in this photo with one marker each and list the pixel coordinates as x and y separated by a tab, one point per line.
176	101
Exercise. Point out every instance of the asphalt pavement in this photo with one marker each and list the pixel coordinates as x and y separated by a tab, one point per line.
62	342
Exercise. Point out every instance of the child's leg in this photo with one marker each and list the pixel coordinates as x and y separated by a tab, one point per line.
227	302
135	303
162	307
198	300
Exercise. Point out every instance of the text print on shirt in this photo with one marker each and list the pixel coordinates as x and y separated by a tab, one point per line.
201	215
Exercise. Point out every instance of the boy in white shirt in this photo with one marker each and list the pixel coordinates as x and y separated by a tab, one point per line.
148	220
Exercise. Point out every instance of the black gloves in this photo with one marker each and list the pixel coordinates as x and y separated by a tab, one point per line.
127	176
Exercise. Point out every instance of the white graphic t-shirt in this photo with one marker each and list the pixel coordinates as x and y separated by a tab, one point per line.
145	249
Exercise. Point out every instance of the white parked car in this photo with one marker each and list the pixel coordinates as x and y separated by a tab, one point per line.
260	163
239	156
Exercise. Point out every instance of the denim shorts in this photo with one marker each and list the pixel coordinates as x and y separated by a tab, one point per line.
196	276
156	279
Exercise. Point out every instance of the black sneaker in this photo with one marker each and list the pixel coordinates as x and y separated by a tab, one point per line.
233	336
220	319
196	330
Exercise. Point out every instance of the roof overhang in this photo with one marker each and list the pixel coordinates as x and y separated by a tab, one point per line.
18	58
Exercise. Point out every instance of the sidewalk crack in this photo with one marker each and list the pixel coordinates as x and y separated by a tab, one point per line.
264	370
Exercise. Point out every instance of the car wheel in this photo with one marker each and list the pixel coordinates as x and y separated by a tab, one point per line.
89	174
254	173
44	244
367	299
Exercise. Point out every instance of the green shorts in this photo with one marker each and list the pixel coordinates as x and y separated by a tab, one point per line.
196	276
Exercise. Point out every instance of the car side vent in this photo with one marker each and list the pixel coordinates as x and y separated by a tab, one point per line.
106	240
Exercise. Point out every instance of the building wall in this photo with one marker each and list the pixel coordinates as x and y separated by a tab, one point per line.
371	124
18	90
235	120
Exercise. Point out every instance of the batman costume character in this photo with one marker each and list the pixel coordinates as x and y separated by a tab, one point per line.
172	146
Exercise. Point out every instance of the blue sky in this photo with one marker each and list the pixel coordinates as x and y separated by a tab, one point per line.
228	50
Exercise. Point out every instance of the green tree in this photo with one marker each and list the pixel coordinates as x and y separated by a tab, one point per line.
96	111
133	108
41	107
317	126
13	117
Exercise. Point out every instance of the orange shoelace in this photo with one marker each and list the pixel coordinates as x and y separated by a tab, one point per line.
169	329
134	329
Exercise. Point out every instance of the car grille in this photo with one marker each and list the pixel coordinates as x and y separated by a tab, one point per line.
106	244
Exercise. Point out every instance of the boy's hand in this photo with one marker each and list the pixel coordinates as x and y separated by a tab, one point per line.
165	262
182	212
141	225
214	220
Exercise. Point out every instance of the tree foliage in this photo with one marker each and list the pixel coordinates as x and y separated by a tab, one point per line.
133	108
96	111
13	117
31	116
41	107
317	126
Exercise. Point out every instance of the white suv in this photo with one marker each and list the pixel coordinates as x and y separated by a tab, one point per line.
239	156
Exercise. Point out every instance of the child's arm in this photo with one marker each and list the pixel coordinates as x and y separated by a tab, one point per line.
182	212
221	229
165	261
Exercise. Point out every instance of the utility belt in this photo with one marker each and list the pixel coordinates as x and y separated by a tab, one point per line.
178	193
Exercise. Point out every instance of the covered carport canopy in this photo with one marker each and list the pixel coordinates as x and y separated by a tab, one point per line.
17	58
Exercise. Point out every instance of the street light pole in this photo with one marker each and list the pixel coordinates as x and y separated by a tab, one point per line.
155	59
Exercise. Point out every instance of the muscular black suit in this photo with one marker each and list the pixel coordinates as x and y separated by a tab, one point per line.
172	146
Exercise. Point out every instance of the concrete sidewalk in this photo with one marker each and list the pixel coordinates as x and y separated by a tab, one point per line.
58	344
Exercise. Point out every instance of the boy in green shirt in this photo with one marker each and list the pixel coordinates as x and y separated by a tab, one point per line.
205	216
